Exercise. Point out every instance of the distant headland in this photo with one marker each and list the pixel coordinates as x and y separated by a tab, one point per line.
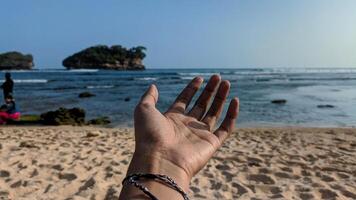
115	57
16	61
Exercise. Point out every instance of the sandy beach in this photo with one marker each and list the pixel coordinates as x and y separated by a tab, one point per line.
260	163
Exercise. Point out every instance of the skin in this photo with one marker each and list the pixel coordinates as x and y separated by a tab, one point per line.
179	143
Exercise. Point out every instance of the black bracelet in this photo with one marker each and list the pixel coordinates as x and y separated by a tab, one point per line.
134	178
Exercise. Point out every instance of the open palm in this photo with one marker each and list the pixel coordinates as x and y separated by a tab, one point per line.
185	139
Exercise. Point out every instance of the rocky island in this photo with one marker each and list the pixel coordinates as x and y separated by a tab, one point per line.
16	61
103	57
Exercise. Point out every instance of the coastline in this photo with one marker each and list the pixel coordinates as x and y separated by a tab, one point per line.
45	162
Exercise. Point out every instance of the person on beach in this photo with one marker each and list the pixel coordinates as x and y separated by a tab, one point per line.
8	85
171	147
9	111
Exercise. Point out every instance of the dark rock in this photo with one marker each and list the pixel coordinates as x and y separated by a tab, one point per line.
103	57
16	61
63	116
326	106
127	99
279	101
86	95
99	121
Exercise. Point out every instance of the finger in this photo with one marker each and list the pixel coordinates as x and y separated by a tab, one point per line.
150	97
218	104
184	98
202	103
228	124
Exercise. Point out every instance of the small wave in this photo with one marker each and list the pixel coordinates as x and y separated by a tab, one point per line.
187	77
323	79
83	70
29	81
99	86
146	79
196	73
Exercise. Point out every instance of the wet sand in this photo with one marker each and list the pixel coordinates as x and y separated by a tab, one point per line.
260	163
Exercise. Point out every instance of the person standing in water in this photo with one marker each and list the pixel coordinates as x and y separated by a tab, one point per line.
8	85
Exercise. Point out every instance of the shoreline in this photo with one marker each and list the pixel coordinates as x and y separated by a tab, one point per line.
90	162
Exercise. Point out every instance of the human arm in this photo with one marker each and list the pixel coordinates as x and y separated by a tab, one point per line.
178	143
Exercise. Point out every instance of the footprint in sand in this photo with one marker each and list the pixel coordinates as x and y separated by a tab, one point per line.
4	174
67	176
327	194
261	178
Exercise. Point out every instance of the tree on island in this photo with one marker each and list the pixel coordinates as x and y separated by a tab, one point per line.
115	57
16	61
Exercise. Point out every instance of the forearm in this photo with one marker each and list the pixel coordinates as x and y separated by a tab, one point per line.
155	165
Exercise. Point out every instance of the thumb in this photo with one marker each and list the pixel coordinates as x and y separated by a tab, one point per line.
150	97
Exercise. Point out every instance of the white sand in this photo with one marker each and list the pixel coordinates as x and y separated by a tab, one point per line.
264	163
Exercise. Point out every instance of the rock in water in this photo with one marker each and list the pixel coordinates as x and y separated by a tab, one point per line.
99	121
63	116
103	57
326	106
279	101
16	61
86	95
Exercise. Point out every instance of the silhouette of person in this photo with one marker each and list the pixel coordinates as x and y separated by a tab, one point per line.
8	85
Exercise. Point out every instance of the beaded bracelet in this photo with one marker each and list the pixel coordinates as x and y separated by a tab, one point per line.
134	178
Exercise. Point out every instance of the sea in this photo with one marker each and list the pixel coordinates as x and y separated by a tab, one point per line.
117	92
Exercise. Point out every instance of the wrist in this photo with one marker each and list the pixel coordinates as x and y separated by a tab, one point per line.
155	164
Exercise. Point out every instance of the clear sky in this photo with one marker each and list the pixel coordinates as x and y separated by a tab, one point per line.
187	33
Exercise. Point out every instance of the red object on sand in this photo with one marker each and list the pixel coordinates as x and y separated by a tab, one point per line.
4	116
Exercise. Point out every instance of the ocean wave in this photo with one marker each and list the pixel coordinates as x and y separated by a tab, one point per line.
29	80
146	79
197	73
99	86
82	70
291	71
187	77
323	79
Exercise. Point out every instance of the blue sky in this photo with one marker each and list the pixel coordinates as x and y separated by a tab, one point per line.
187	33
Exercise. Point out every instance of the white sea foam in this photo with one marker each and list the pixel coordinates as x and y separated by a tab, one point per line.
83	70
196	74
187	77
100	86
29	81
146	79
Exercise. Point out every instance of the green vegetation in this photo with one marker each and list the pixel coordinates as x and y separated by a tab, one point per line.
26	120
15	60
104	57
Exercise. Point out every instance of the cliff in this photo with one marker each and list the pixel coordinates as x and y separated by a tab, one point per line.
103	57
16	61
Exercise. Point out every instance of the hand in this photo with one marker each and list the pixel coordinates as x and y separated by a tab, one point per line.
179	143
